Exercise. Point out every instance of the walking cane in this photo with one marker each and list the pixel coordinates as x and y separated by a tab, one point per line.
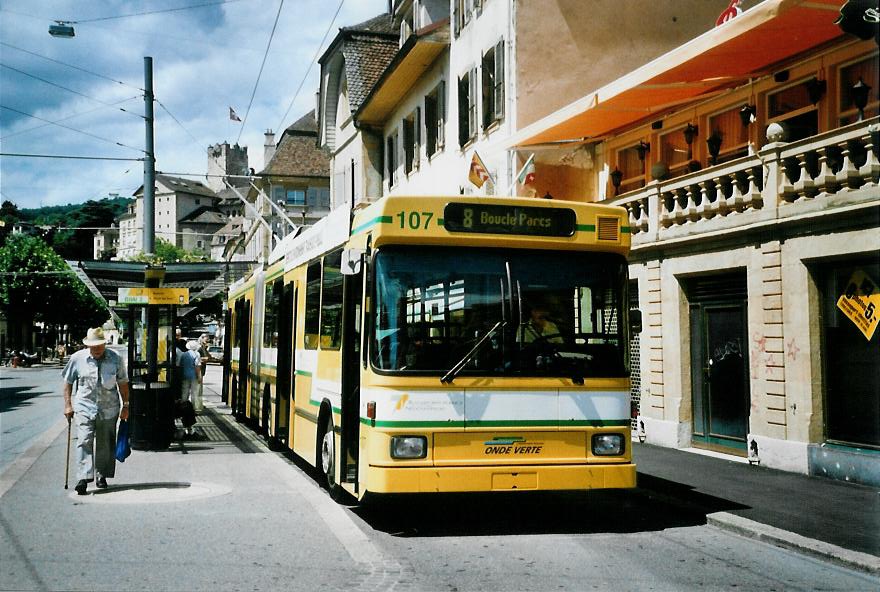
67	460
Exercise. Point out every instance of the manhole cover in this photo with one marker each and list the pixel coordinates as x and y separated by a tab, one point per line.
150	493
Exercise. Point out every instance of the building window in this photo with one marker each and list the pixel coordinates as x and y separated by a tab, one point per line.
318	197
467	107
391	158
461	13
411	139
435	119
198	201
493	85
674	152
733	134
867	71
200	244
632	169
792	109
296	197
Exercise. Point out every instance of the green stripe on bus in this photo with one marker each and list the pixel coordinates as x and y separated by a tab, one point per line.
368	223
596	423
303	373
586	227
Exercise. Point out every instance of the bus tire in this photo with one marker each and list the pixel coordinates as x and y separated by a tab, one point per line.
327	455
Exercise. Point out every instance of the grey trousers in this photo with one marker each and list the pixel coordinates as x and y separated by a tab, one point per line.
95	437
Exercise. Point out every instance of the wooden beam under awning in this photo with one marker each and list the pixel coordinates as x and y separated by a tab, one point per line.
748	46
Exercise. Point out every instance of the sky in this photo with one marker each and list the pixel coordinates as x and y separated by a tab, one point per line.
83	96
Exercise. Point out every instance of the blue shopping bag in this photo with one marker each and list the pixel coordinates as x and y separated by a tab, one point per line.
123	442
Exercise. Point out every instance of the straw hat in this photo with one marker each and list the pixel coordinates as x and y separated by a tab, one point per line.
95	336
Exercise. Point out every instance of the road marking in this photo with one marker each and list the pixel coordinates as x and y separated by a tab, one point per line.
19	466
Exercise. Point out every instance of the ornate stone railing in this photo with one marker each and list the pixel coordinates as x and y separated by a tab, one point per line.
779	180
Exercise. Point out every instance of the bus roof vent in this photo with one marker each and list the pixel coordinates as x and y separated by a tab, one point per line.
608	229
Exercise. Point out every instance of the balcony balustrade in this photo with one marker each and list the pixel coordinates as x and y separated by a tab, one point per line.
781	182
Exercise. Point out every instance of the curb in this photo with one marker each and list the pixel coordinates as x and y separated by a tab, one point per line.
795	542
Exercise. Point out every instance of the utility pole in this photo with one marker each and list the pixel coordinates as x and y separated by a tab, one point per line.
149	162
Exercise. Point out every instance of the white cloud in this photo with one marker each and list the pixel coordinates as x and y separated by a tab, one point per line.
204	61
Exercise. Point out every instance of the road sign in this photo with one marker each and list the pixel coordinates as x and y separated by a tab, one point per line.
153	296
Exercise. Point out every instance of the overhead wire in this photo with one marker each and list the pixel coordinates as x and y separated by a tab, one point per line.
70	66
76	92
312	63
171	115
260	74
178	9
79	131
57	121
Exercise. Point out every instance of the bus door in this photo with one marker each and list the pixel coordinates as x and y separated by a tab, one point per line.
244	358
351	358
286	329
227	353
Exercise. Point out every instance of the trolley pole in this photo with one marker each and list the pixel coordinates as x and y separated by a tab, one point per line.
149	162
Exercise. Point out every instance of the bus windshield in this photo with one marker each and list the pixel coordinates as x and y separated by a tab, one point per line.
499	312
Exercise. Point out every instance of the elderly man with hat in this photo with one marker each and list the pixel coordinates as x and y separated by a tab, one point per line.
101	380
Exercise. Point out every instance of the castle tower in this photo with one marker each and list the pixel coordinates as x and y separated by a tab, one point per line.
224	159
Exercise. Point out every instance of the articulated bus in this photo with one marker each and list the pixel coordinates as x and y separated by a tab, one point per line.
443	344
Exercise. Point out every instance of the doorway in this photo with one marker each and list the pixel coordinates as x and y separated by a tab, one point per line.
719	363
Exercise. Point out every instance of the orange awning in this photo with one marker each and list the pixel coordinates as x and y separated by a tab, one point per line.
722	58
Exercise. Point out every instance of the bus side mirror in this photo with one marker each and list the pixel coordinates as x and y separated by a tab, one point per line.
352	261
635	321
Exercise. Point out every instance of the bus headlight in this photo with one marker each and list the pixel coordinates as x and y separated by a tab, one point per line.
608	444
409	447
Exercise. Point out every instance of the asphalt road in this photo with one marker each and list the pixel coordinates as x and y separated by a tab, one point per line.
225	513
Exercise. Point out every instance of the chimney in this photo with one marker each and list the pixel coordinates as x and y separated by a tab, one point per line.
268	147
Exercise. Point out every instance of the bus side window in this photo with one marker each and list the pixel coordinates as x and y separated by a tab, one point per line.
313	305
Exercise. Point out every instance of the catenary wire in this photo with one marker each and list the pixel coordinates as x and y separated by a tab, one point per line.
79	131
178	9
71	66
36	127
76	92
260	74
312	63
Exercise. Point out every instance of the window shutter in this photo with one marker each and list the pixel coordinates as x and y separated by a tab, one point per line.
441	114
487	65
417	138
472	95
463	110
456	16
499	80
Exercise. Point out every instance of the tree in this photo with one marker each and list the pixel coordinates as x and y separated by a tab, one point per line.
9	215
166	252
37	285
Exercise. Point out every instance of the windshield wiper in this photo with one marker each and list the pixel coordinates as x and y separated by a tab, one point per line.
456	370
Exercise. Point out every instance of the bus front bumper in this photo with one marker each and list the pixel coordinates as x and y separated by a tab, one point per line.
500	478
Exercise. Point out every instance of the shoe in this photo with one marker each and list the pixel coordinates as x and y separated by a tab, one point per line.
81	487
101	483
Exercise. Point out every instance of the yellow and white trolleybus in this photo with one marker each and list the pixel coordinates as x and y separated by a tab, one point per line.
443	344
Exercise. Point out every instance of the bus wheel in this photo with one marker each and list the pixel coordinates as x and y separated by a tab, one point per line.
327	447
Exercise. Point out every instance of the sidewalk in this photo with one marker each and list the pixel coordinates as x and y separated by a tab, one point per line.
830	519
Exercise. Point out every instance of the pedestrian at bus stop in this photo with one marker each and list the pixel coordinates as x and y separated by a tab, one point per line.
191	374
101	380
204	357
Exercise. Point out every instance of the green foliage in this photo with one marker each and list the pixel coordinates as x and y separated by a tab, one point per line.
70	244
166	252
30	291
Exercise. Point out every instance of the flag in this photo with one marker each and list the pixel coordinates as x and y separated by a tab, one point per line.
233	116
478	173
526	175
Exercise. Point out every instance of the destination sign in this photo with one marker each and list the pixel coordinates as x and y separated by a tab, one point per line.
495	219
